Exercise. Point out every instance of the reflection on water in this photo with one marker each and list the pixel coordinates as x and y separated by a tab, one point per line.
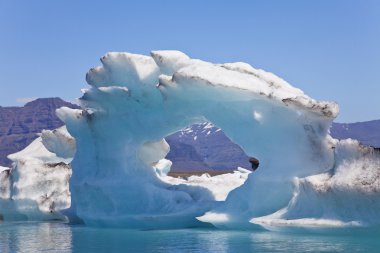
60	237
35	237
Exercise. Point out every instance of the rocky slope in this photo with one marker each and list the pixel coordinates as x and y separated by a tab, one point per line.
19	126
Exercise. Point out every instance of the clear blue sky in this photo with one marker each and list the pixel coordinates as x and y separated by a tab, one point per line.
328	48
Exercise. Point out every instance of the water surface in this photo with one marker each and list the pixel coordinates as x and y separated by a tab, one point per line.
61	237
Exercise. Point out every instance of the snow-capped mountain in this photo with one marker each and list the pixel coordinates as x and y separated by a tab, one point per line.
204	147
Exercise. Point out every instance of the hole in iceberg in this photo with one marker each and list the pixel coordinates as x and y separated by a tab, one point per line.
204	148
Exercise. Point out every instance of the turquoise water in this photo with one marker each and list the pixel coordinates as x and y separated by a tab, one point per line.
61	237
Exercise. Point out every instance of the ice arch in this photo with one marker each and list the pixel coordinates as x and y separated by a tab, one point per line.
135	100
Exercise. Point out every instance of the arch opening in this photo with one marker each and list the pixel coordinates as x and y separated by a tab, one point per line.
204	148
201	155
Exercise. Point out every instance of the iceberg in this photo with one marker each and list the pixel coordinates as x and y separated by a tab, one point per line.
37	185
119	170
135	101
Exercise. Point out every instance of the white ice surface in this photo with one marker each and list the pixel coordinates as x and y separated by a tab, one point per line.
37	186
3	168
346	195
219	185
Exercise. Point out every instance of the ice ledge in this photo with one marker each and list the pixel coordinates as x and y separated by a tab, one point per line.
174	68
179	69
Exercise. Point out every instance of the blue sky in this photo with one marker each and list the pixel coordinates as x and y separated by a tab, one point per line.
328	48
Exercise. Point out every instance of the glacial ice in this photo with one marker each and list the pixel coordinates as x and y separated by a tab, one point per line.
36	187
119	171
348	194
219	185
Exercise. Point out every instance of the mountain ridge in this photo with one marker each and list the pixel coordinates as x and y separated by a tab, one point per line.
367	132
198	147
19	126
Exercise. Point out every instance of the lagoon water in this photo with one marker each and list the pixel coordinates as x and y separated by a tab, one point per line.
61	237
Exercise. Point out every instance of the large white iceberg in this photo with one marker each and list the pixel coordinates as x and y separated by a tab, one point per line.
134	101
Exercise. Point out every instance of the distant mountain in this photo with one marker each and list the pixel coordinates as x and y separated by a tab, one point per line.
198	147
19	126
204	147
368	133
